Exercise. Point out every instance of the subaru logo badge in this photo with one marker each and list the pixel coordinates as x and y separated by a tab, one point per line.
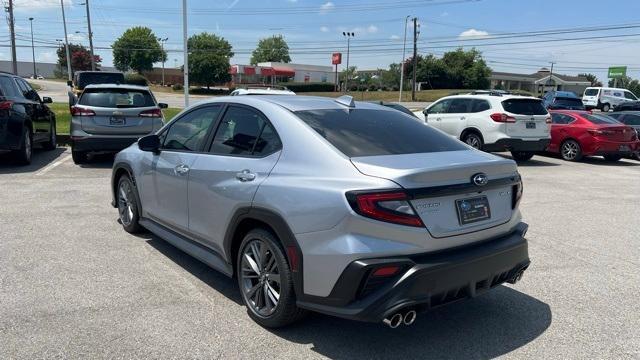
480	179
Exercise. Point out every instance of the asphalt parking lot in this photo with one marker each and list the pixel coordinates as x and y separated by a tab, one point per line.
73	284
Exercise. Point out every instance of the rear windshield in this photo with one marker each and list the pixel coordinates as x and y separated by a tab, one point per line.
524	106
601	119
368	132
85	79
564	101
7	87
400	108
591	92
116	98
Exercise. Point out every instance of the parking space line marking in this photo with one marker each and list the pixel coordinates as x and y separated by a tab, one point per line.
51	166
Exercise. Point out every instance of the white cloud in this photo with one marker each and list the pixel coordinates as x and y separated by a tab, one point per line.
324	29
326	7
29	5
76	37
372	29
473	33
395	37
444	14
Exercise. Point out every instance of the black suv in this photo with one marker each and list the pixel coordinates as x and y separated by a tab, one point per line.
24	119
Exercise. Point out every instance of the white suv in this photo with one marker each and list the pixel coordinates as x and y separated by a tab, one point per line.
493	122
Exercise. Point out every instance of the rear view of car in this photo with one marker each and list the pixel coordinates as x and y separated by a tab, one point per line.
111	117
83	79
562	100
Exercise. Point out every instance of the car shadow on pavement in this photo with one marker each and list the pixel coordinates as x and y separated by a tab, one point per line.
216	280
602	162
536	161
491	325
99	161
39	160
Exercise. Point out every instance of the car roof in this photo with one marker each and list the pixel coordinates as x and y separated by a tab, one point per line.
264	91
116	86
297	102
487	96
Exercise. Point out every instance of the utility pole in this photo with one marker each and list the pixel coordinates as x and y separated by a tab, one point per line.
164	57
33	51
90	34
415	58
186	53
14	60
66	41
551	77
404	46
348	35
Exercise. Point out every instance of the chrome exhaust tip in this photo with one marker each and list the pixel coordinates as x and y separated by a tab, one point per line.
393	321
409	317
516	278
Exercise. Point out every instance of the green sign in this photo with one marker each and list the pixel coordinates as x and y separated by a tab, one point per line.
617	72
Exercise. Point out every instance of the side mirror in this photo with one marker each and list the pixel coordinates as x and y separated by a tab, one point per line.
149	143
46	100
69	83
163	105
425	112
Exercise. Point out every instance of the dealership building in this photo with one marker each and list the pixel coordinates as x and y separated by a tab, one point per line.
275	72
539	82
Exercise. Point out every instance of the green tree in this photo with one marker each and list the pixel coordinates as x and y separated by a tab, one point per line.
137	49
80	58
592	79
273	48
457	69
209	59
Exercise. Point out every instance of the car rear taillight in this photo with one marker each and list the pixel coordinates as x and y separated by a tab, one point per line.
153	113
6	105
502	118
517	194
390	207
80	111
598	132
548	119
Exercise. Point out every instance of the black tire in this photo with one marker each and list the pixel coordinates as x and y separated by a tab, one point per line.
575	154
285	312
522	155
606	107
473	139
51	143
127	198
23	155
612	158
79	157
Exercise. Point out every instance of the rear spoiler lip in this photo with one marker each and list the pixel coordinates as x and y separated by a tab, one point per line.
443	190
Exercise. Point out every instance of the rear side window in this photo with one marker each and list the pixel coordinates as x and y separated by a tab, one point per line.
601	119
631	119
116	98
561	119
8	87
459	106
368	132
243	131
591	92
524	106
480	106
84	79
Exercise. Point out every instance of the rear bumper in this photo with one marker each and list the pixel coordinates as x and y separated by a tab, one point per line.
426	281
602	148
511	144
102	143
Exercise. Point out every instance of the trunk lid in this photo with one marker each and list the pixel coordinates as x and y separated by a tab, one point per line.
118	121
415	172
616	133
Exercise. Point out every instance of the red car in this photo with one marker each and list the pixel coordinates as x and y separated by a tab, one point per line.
575	134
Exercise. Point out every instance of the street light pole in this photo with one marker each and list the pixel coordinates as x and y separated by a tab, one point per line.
66	41
90	35
33	50
186	53
14	59
348	35
163	55
404	47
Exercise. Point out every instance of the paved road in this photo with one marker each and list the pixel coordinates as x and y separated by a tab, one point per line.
73	284
57	90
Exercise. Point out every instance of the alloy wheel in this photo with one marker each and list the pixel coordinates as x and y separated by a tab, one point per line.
27	145
473	141
125	206
570	150
260	278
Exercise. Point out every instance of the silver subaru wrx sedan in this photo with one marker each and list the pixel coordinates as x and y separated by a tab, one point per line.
346	208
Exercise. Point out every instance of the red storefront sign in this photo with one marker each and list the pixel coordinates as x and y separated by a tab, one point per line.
336	58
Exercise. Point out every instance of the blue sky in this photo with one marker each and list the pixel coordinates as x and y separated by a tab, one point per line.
314	29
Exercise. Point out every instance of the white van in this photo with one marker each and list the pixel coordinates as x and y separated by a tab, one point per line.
604	98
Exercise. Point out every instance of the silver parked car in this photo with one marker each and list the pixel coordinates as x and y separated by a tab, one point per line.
110	117
346	208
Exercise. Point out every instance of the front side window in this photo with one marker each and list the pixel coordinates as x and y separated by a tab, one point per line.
116	98
189	132
244	131
591	92
629	95
368	132
439	107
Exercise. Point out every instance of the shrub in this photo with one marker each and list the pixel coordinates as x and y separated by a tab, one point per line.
136	79
309	87
177	87
205	91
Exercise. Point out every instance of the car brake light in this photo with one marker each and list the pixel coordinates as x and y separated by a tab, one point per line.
153	113
517	194
598	132
502	118
390	207
548	119
80	111
6	105
386	271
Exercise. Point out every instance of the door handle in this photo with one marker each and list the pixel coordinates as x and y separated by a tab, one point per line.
463	118
245	175
438	119
181	169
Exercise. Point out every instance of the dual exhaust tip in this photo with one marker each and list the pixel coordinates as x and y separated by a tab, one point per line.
398	319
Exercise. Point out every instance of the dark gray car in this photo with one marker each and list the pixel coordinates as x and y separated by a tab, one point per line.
629	118
110	117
